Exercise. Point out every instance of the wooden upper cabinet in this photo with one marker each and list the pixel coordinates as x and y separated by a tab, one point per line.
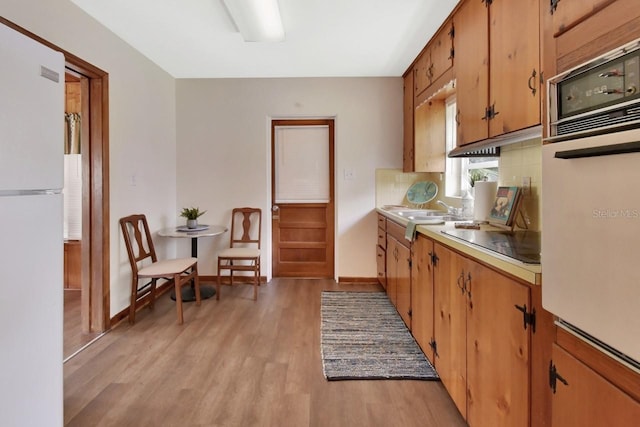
442	52
407	124
472	71
567	14
578	31
514	66
497	67
429	150
435	59
421	72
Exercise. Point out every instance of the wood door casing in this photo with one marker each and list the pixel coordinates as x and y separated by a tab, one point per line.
303	233
95	311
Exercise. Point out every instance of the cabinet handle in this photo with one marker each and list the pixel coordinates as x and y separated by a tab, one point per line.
457	119
460	282
554	376
468	282
529	318
553	5
531	82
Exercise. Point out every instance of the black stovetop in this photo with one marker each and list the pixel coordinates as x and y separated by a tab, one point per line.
522	245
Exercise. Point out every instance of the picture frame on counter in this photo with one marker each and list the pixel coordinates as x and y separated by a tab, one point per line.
505	206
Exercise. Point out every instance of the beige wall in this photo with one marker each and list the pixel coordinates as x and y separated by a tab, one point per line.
141	122
224	153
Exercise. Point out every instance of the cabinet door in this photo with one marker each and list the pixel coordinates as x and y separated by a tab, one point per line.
422	295
392	273
497	349
403	284
440	51
450	327
472	71
569	13
588	399
514	65
407	124
422	68
429	142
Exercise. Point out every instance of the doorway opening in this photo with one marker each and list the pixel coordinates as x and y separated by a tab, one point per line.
94	146
302	189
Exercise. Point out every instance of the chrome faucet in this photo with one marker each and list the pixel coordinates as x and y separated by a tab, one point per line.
450	209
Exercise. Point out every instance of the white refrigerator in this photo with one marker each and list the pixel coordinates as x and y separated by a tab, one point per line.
31	227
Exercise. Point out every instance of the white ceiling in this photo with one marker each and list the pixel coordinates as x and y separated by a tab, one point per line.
324	38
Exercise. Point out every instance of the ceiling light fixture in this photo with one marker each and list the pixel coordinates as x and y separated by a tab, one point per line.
257	20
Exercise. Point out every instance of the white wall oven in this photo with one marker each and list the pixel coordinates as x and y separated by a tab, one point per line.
591	203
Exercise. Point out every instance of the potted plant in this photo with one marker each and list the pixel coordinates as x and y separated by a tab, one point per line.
192	214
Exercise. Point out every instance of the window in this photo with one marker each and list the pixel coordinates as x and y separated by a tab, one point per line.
461	173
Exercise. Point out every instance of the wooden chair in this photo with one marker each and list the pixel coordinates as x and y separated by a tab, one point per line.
145	265
242	254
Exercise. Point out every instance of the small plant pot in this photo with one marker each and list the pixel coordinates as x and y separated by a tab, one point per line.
192	223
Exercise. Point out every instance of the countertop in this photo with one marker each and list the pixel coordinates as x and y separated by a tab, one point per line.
530	273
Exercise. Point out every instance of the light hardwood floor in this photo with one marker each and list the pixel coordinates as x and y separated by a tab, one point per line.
74	338
236	362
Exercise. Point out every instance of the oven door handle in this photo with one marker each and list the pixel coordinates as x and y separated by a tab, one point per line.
607	150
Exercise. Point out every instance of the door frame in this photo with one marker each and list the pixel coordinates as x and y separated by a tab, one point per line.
306	121
95	256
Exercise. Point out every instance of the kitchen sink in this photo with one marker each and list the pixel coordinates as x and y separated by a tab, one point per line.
423	214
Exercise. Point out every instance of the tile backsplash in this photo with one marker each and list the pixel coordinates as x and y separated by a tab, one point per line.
517	161
392	185
524	160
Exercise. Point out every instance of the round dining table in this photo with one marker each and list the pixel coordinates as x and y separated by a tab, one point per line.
202	230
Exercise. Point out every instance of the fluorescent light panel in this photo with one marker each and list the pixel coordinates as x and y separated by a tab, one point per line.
257	20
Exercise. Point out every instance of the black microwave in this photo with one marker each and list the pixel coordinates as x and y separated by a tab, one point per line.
602	95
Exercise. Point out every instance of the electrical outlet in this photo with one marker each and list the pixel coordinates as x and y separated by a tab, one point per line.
526	185
349	174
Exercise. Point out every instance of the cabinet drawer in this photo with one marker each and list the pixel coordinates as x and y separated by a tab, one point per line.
382	222
382	239
381	262
397	231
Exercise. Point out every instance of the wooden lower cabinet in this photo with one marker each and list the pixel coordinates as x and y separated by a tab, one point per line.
398	268
450	326
381	251
482	346
497	349
399	277
422	304
584	398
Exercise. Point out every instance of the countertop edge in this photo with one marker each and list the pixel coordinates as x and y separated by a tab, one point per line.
531	274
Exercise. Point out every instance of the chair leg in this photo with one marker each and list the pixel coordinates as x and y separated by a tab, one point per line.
218	282
256	281
134	297
176	282
152	294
